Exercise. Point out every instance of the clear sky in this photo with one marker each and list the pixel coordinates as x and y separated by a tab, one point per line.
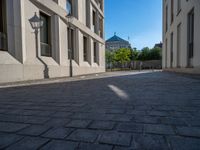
141	20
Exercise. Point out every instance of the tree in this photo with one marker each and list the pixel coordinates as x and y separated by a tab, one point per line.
150	54
122	55
155	53
144	54
110	58
134	54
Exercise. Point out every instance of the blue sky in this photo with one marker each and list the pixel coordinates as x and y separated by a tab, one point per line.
141	20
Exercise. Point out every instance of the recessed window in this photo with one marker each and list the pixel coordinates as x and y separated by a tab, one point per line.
45	36
95	52
172	50
191	34
3	32
94	20
178	44
85	48
166	18
172	11
69	7
71	43
166	49
178	6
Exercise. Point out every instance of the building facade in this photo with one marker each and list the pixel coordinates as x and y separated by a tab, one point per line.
181	35
19	60
115	43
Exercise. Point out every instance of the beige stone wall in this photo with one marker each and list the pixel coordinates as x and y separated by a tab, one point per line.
181	18
20	61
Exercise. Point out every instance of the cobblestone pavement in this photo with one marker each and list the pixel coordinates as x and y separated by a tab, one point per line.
153	111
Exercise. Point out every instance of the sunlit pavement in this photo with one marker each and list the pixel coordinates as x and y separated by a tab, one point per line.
152	110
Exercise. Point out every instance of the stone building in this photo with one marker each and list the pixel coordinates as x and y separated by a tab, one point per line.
116	42
181	35
18	50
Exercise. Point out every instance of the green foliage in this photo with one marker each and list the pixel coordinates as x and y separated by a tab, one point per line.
110	57
150	54
123	55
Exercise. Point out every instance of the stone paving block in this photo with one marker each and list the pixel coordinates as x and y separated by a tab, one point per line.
57	122
116	138
136	112
34	119
57	133
150	142
60	145
158	113
130	127
184	143
159	129
117	117
28	143
173	121
78	123
83	135
11	127
34	130
193	122
102	125
181	114
43	113
189	131
115	111
147	119
122	148
88	146
8	139
62	114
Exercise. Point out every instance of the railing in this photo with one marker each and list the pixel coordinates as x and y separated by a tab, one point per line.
3	41
45	49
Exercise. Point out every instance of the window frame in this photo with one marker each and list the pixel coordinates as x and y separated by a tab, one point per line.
71	42
3	28
95	50
191	34
85	48
48	35
179	8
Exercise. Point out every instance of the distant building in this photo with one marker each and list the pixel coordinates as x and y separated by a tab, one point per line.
158	45
116	42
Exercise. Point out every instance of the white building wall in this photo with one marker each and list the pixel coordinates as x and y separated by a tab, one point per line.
20	62
181	18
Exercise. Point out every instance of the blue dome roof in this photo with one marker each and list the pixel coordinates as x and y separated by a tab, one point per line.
116	39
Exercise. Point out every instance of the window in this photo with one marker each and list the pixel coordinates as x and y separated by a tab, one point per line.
178	44
71	43
45	39
172	11
178	6
166	18
191	34
85	47
94	20
3	35
69	7
172	47
166	49
101	27
95	52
